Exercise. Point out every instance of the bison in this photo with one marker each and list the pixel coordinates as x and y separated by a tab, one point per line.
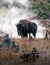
26	27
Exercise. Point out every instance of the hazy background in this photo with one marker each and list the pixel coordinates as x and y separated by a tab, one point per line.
11	11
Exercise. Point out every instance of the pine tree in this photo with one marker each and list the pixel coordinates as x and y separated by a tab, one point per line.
42	8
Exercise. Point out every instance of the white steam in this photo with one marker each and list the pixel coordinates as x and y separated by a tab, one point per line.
11	16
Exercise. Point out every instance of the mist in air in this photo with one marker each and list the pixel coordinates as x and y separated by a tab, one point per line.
11	11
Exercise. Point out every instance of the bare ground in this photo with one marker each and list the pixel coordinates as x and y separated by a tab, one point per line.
11	57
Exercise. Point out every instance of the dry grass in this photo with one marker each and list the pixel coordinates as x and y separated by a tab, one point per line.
10	57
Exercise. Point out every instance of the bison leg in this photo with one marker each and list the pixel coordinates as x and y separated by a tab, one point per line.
34	33
30	37
21	35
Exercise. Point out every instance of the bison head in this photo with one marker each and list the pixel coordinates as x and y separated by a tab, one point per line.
20	29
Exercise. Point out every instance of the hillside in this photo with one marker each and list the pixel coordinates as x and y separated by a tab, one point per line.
11	57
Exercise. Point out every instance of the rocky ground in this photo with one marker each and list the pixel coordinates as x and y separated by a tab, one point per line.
9	56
